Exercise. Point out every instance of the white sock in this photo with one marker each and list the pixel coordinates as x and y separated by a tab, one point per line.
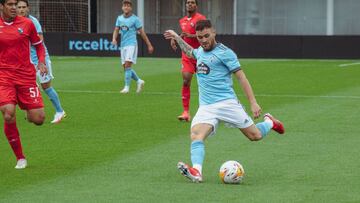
198	167
268	120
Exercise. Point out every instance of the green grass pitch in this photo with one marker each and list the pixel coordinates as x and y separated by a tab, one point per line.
124	148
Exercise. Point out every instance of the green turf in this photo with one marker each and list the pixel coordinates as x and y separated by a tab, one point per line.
124	148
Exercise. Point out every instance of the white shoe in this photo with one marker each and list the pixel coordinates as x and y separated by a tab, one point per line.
140	86
58	117
125	90
21	164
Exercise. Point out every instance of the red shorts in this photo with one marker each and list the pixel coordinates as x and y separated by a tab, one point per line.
27	96
188	66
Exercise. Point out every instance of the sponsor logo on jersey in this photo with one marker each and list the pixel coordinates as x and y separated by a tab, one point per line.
124	28
202	68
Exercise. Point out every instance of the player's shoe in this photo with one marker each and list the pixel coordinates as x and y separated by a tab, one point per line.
21	164
192	173
140	86
58	117
185	116
277	125
125	90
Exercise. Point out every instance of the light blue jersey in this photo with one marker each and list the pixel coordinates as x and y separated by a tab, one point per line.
33	55
128	28
214	70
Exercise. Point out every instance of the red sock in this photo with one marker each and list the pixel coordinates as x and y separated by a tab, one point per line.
186	97
12	134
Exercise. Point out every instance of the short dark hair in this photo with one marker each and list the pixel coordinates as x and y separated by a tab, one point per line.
26	1
127	2
202	24
196	2
4	1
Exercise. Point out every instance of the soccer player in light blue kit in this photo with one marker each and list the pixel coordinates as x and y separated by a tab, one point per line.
45	80
128	25
218	102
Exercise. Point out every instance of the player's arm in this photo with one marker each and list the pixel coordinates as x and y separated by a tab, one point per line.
244	82
188	35
115	36
186	48
40	48
146	40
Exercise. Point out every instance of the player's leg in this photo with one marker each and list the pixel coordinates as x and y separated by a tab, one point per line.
127	77
198	134
45	81
203	125
36	116
260	130
188	69
12	133
129	57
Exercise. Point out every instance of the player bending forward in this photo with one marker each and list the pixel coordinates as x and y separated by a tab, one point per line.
218	101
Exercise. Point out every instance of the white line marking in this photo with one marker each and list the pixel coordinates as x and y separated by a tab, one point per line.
349	64
179	94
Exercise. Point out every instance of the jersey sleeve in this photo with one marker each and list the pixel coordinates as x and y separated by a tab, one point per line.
195	53
37	25
33	35
117	22
138	23
229	58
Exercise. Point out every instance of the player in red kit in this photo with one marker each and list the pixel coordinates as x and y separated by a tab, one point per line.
18	75
187	25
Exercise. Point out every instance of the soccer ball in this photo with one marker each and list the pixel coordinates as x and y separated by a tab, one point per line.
231	172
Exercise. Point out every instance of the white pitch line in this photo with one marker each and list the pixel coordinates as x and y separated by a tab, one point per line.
258	95
349	64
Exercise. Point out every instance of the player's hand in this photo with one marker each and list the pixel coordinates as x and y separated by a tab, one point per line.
170	34
256	110
114	42
173	44
150	49
42	68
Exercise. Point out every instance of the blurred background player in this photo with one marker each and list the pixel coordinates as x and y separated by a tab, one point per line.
218	102
129	25
45	80
187	25
18	74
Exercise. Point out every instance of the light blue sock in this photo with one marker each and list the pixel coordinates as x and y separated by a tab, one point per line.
54	98
197	152
134	76
128	74
264	128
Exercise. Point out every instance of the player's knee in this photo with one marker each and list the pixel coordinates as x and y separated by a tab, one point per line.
186	82
9	116
37	119
196	136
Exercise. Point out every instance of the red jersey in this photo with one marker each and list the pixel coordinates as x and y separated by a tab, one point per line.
15	40
188	25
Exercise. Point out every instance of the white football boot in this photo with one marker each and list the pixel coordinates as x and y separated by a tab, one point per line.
140	86
58	117
21	164
125	90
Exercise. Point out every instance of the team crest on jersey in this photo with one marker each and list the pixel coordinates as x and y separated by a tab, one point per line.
192	24
20	30
202	68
